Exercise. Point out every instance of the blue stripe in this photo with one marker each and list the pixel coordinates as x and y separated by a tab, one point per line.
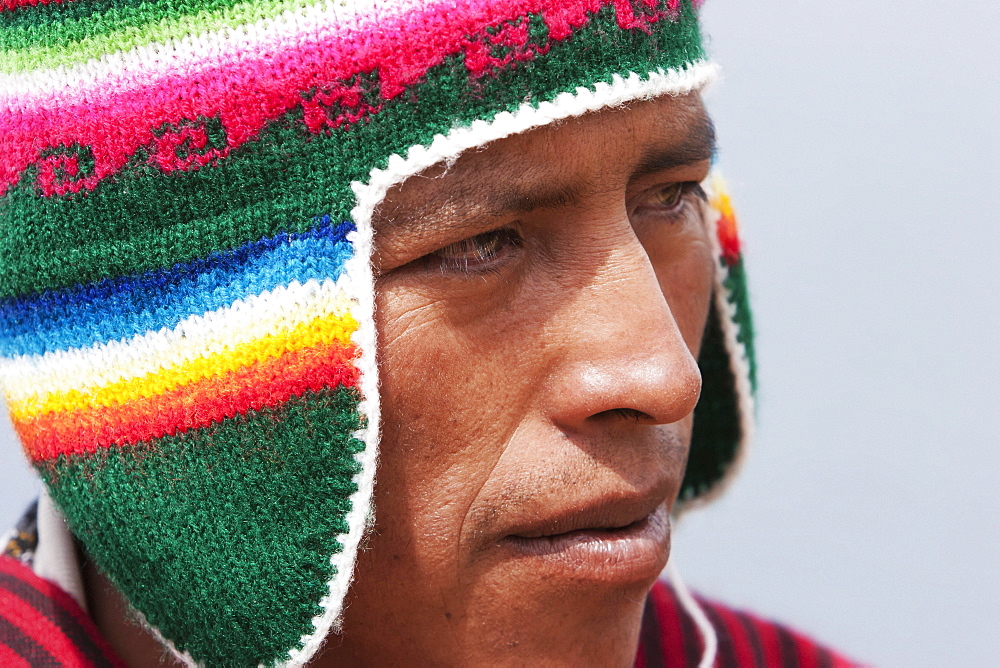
121	308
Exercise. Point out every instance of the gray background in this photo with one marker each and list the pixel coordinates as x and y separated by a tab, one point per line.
862	143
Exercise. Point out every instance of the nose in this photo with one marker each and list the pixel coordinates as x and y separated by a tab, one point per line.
623	354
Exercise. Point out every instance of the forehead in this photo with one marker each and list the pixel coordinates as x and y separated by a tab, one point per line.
645	136
664	122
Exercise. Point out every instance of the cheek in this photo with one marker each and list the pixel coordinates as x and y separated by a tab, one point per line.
447	413
685	271
688	289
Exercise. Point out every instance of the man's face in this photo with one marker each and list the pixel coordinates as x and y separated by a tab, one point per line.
540	306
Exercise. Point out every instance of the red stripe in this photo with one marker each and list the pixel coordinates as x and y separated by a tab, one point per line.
45	625
744	640
650	654
9	657
770	643
806	650
742	647
725	656
265	384
7	5
750	630
21	641
781	646
672	626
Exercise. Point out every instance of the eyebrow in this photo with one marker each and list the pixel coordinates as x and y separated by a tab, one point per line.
698	145
526	201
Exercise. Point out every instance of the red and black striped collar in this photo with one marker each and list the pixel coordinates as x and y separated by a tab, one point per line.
41	625
669	637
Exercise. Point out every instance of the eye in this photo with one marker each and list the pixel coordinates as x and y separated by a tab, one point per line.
482	252
669	197
671	200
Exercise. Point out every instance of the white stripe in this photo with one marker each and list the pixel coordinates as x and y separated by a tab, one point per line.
28	377
369	195
696	614
326	22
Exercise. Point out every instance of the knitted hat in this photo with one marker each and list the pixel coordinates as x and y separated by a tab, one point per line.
186	300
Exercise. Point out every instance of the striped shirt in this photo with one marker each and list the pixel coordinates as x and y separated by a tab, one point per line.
41	625
669	637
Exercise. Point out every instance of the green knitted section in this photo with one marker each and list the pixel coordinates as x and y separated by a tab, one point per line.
716	436
142	219
222	536
74	32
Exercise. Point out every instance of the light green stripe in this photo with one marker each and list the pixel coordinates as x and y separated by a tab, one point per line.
58	23
13	61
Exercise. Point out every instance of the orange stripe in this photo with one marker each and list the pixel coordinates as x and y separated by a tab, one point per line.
265	384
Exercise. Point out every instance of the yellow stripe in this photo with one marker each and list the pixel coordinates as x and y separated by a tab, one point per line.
719	194
323	330
26	377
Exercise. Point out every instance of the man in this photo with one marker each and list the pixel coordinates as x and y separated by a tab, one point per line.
257	252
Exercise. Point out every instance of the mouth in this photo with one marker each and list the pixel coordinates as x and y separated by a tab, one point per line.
589	547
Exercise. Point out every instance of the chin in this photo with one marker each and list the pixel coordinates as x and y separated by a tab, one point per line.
568	624
575	598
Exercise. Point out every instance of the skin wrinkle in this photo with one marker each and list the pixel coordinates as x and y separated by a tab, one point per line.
672	448
414	324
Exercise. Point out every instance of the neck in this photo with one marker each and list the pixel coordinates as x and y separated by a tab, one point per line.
119	624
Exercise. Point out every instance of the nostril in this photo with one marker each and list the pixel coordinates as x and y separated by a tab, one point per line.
626	414
639	381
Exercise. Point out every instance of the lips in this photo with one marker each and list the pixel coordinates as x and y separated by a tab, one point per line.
615	542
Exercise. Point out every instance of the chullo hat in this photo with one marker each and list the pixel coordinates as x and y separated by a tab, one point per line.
186	300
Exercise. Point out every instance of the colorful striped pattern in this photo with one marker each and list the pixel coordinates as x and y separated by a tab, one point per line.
125	361
734	282
116	309
312	98
265	120
215	398
41	625
122	361
247	84
670	638
726	229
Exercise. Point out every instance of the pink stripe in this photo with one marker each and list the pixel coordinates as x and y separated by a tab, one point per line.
261	89
7	5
